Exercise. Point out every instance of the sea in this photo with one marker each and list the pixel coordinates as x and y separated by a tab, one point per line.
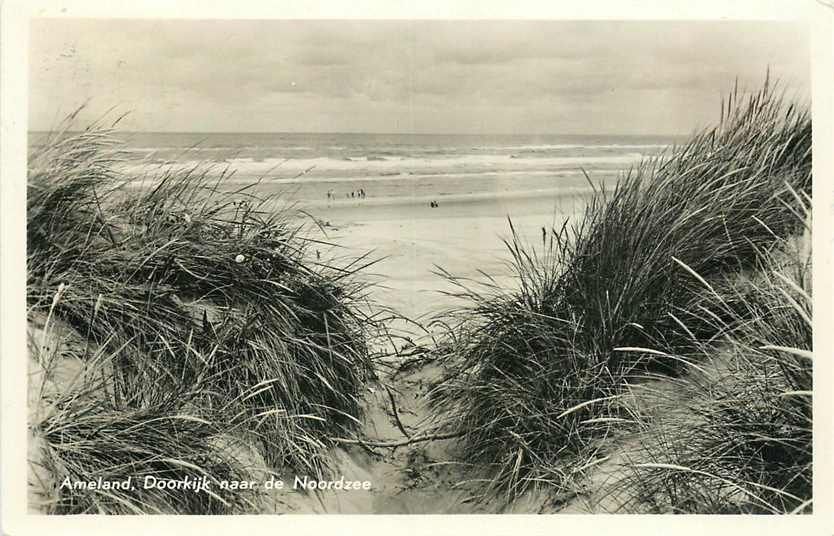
320	169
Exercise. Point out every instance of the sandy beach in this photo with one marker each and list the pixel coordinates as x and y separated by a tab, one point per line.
462	236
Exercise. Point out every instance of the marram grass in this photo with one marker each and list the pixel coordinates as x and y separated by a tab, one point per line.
201	292
537	375
745	442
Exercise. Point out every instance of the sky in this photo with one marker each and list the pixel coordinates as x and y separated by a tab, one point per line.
406	76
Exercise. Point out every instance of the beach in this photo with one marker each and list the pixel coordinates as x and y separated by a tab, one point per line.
373	193
462	237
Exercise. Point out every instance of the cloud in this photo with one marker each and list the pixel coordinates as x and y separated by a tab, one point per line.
370	75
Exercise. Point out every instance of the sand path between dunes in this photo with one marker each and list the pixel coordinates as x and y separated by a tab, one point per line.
412	241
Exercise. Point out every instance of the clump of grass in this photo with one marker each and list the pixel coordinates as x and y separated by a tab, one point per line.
537	375
84	440
82	431
743	442
189	284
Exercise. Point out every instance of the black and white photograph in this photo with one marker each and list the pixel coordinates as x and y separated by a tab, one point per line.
418	266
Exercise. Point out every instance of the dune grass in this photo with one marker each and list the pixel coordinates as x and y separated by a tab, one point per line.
537	375
742	443
201	292
84	437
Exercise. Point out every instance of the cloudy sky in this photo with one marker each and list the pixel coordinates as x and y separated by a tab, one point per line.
406	76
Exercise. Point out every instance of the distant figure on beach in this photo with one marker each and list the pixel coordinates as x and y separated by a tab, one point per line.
433	204
352	194
544	235
318	255
362	193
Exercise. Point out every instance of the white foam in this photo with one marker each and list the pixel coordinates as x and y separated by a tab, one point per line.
295	168
557	146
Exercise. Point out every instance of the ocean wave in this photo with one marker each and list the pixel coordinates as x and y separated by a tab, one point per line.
416	177
325	170
374	167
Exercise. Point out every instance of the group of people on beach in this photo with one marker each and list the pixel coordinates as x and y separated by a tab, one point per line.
355	194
